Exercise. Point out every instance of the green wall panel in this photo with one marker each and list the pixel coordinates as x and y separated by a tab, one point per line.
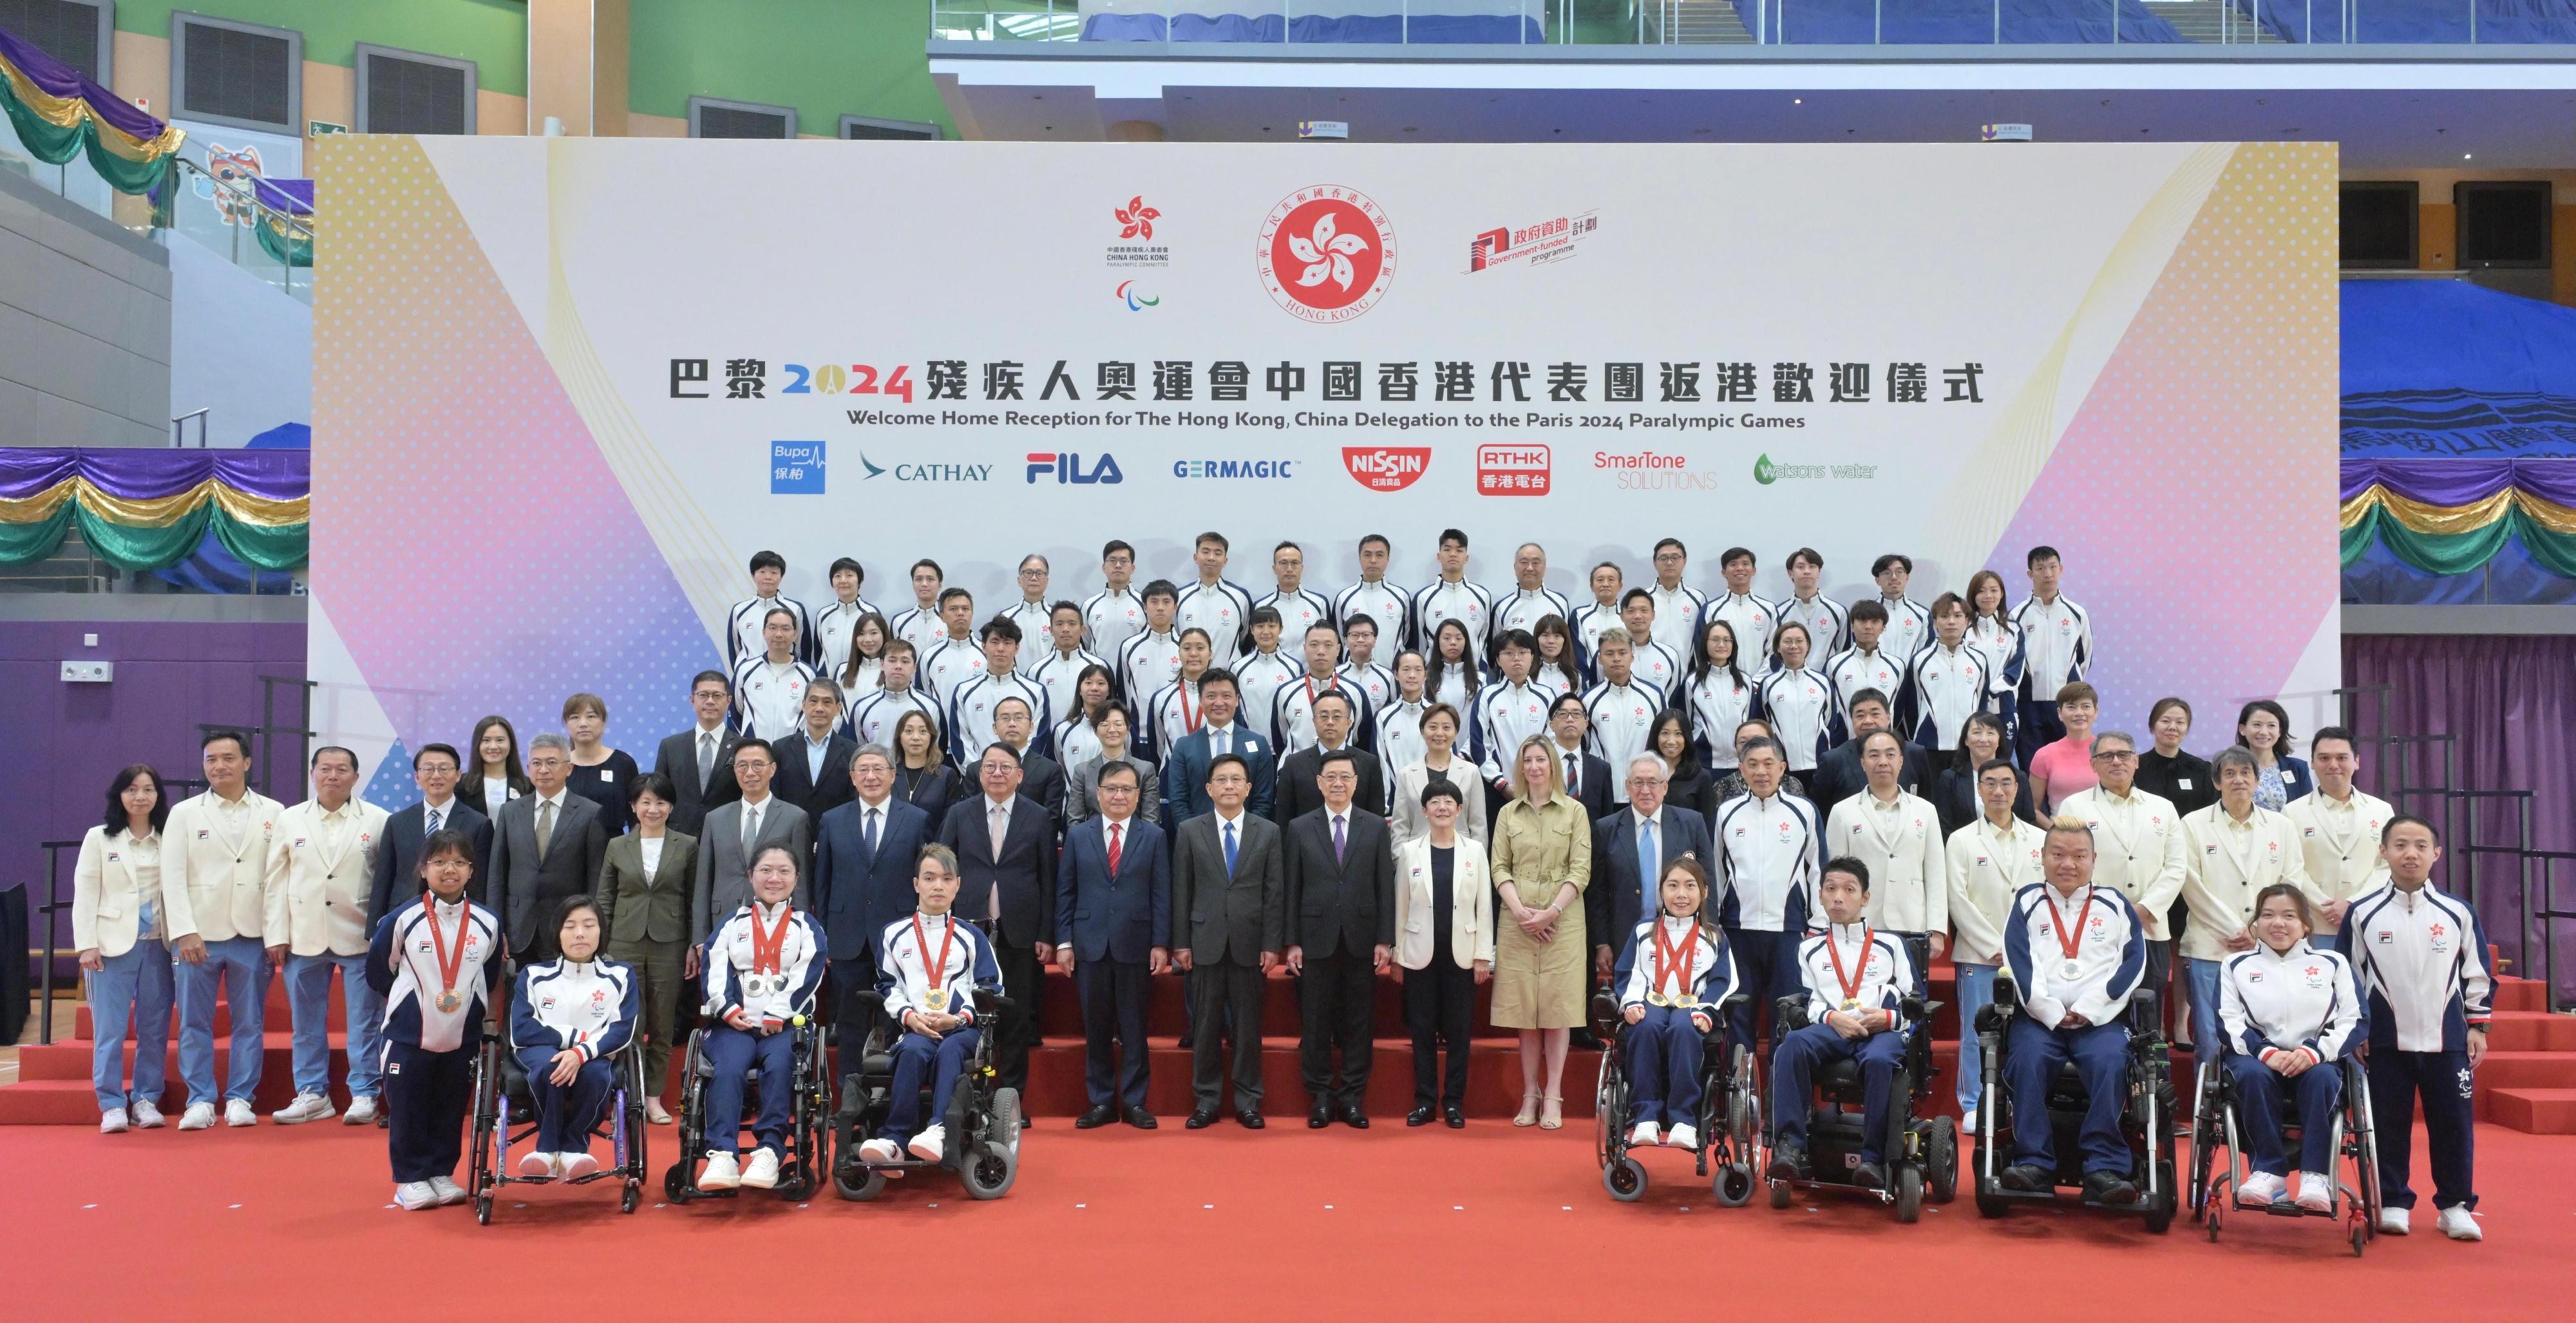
492	33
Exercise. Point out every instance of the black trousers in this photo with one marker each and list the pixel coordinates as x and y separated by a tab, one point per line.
1440	1007
1336	999
1023	980
1225	995
428	1094
1114	996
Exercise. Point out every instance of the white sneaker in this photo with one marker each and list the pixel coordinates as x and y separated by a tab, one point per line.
2392	1221
237	1113
927	1145
574	1165
2316	1191
723	1172
199	1116
880	1150
146	1116
538	1165
1684	1135
449	1192
2261	1188
1647	1132
761	1173
362	1111
112	1121
1968	1120
306	1107
2457	1223
415	1196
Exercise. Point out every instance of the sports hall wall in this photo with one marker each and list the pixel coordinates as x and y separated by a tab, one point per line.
530	492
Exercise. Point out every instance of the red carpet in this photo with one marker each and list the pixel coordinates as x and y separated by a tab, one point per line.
1487	1223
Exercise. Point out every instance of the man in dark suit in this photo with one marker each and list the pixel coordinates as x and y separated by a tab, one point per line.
1041	778
1229	892
1185	773
1621	894
1838	775
546	846
434	769
1340	928
734	836
864	853
814	766
699	760
1005	846
1297	793
1113	901
1587	777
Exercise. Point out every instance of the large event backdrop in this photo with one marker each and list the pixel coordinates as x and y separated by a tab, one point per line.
2128	352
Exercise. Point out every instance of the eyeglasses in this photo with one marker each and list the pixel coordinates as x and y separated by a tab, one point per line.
2116	756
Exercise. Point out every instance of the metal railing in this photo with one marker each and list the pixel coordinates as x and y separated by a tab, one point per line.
1756	22
179	428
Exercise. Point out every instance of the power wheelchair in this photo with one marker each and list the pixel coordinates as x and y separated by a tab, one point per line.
2146	1115
1922	1154
982	1120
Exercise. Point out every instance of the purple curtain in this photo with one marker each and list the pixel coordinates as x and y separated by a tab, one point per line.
2510	703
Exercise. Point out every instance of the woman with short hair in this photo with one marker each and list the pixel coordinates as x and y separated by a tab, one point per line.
599	774
1444	943
644	893
569	1017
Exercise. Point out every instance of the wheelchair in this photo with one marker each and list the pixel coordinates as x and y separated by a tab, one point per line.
807	1138
1922	1154
505	1113
1730	1109
2219	1164
983	1118
2146	1121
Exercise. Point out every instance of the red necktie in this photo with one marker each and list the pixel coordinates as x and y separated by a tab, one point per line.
1113	847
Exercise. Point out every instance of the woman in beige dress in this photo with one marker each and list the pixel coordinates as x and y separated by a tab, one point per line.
1542	859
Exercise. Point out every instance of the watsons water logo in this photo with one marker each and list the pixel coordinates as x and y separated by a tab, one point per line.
1767	473
1234	468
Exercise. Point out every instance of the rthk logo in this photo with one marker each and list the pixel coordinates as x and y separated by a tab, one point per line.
1512	470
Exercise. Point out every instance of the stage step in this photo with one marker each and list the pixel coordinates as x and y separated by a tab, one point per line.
2537	1111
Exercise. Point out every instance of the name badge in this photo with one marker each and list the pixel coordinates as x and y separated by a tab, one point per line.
2182	783
607	776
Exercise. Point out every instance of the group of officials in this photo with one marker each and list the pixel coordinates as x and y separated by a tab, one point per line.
1453	781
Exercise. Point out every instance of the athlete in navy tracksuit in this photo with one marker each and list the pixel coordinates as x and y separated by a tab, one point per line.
2292	1014
581	1005
933	964
763	964
1672	976
1768	844
2077	952
1857	980
435	962
2421	957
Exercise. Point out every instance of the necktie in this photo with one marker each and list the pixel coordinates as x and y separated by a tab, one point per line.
1571	787
1223	743
1229	850
706	757
435	817
1114	829
1648	859
1001	825
545	826
750	830
872	831
1339	841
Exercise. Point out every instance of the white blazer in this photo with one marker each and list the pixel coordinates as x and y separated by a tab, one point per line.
211	880
107	895
315	899
1471	908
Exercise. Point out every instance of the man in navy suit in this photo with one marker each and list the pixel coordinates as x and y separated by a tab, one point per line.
1185	774
1005	846
1621	894
1113	901
814	763
864	853
397	878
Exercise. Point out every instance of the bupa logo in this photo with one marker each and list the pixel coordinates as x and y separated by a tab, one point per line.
1067	467
1386	468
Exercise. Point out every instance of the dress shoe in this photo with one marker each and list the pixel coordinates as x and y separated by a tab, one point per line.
1354	1117
1455	1115
2025	1178
1202	1118
1100	1115
1418	1116
1788	1162
1319	1118
1870	1176
1249	1119
1141	1119
2109	1187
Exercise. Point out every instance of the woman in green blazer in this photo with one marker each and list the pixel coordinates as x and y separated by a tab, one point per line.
643	898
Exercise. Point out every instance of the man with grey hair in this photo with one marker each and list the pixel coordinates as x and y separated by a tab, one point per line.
2235	848
1631	848
814	763
1031	611
864	853
2139	840
1621	708
545	846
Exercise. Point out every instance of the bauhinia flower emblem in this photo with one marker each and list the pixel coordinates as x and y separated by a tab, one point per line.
1327	255
1137	219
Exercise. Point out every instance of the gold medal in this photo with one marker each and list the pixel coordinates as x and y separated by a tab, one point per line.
1852	1005
450	1000
936	999
1657	999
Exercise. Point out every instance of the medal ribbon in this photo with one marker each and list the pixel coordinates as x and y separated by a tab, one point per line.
449	966
938	973
2069	937
1189	719
1860	968
769	949
1675	960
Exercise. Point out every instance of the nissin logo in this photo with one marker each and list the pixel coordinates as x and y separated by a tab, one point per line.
1067	467
1386	468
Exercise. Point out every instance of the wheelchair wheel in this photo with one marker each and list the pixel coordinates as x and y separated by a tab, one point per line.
1625	1179
2167	1200
867	1185
1003	1127
1909	1194
483	1209
631	1196
1941	1163
1609	1108
990	1170
2363	1136
487	1078
1733	1184
2205	1129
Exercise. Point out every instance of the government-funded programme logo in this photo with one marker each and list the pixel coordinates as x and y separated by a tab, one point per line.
795	468
1067	467
1385	468
1326	253
1522	470
1531	245
904	471
1234	468
1135	302
1136	246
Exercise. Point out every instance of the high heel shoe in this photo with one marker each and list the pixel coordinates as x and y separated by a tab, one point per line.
1551	1115
1528	1115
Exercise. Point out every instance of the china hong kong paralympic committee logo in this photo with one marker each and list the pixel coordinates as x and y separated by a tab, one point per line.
1326	253
1385	468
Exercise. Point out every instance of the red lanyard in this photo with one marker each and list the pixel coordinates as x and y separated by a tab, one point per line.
2069	936
448	966
1189	719
1675	959
1860	969
768	950
937	973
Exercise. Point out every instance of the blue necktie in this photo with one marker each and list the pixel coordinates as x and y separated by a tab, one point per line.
433	822
872	833
1229	851
1648	857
